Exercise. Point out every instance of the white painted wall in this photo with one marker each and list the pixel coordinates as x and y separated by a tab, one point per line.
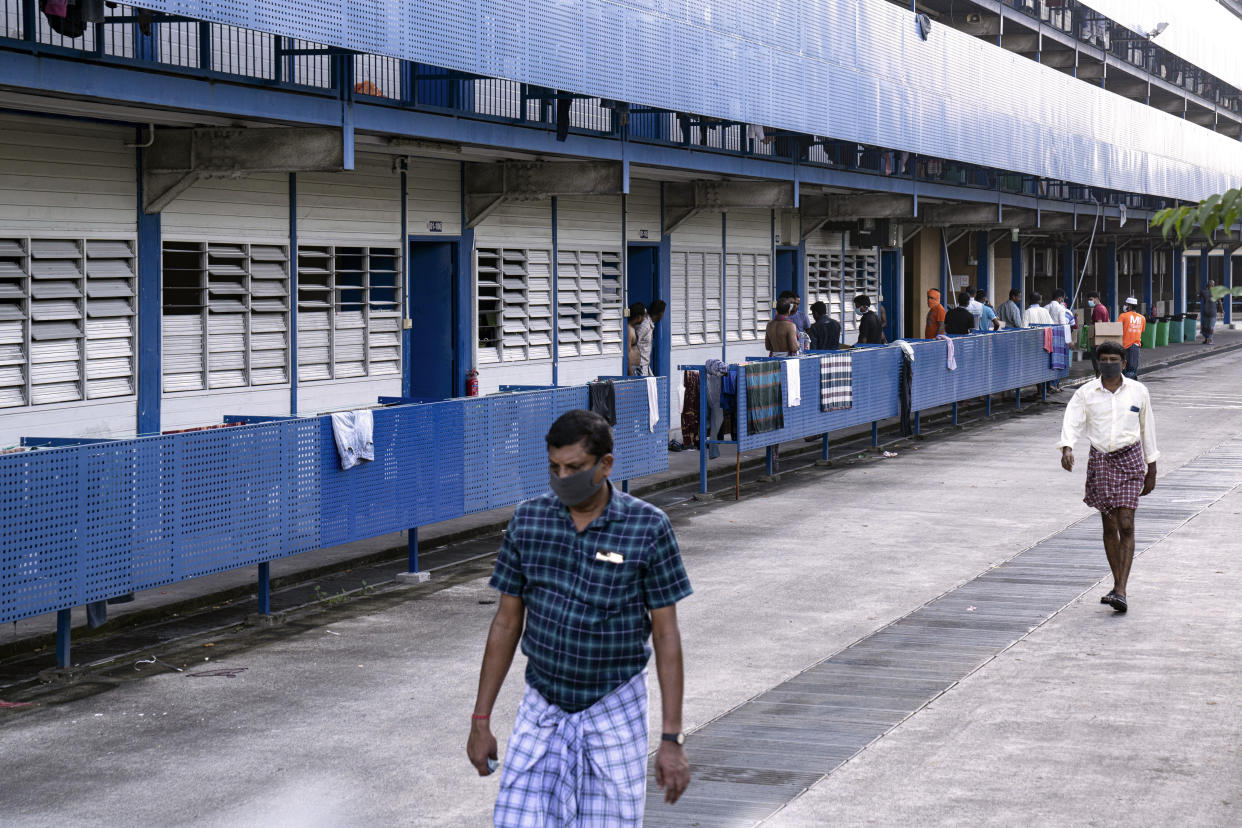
338	395
251	209
750	231
95	419
433	190
62	178
642	211
190	410
362	206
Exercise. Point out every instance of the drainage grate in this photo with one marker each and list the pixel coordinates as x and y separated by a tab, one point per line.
757	757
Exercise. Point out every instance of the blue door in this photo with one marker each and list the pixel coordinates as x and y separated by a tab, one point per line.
433	366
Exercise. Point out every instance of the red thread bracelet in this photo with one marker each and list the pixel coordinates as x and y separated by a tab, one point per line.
476	717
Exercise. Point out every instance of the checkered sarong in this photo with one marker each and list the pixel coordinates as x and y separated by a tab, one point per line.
836	382
572	770
1114	480
765	403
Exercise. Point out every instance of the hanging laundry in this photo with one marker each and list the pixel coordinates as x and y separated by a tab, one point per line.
764	397
1059	359
793	381
950	361
690	409
1048	340
715	372
353	433
653	402
603	400
836	382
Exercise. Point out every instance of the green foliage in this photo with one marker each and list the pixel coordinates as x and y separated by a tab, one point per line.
1214	212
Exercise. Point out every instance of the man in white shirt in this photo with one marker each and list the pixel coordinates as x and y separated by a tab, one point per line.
1114	414
1056	308
976	310
1036	314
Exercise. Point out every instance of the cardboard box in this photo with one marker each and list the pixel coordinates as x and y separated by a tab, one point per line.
1105	332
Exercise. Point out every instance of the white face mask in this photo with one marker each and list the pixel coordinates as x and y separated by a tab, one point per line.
1091	303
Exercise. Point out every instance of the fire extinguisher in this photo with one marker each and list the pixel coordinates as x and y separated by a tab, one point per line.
472	383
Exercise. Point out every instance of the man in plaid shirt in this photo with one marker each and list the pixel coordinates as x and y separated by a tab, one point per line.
589	573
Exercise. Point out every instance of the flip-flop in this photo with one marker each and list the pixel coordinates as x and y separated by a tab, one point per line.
1107	599
1118	603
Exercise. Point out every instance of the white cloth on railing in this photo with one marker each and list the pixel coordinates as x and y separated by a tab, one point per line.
906	348
354	435
793	381
950	361
653	402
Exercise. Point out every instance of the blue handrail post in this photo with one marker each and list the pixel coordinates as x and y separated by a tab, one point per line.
954	413
1017	399
412	549
64	623
265	588
918	423
875	434
823	448
412	575
1043	392
987	405
769	461
703	435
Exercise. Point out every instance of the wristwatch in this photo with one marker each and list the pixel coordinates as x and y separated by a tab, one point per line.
676	738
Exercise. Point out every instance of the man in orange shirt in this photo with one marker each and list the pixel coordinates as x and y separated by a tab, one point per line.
935	315
1132	326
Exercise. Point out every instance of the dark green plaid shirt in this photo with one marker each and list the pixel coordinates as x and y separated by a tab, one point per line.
588	596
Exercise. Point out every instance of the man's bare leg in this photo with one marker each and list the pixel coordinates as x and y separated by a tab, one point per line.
1112	545
1124	518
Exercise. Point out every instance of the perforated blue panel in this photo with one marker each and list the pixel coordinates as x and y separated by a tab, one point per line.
853	69
90	522
874	385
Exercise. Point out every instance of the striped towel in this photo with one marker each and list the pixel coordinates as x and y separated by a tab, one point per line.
836	382
764	397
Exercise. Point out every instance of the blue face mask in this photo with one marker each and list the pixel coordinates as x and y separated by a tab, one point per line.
1110	370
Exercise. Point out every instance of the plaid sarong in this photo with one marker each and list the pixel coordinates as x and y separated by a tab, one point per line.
764	397
836	382
1115	480
576	769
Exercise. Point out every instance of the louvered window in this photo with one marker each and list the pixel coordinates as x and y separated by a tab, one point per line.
588	288
349	312
836	277
226	315
695	302
748	277
66	320
514	304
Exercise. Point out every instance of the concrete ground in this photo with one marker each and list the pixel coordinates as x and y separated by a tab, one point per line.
358	714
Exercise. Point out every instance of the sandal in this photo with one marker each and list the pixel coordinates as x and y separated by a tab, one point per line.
1118	603
1107	599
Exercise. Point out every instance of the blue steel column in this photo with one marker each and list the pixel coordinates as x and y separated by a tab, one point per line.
1148	271
890	282
724	288
64	626
556	322
407	334
1205	269
1110	279
463	297
265	588
1226	279
1016	264
1179	279
150	310
293	294
983	270
944	269
664	287
1068	277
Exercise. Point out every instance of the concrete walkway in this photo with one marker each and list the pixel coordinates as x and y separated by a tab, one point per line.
358	714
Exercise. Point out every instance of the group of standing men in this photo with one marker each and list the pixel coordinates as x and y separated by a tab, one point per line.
791	332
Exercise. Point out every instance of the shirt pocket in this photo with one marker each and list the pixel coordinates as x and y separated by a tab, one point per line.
609	586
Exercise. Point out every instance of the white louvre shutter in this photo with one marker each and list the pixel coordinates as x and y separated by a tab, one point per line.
183	323
383	312
56	271
610	304
14	313
349	317
228	304
110	310
713	318
269	314
695	307
489	304
680	312
568	312
314	357
538	304
762	296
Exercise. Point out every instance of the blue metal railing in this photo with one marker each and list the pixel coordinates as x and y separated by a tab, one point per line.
987	364
90	521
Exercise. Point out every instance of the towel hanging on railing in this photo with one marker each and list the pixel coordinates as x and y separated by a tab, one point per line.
653	403
765	409
354	435
836	382
793	380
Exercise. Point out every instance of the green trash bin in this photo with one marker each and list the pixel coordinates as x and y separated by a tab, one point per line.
1084	338
1148	339
1190	328
1162	333
1177	327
